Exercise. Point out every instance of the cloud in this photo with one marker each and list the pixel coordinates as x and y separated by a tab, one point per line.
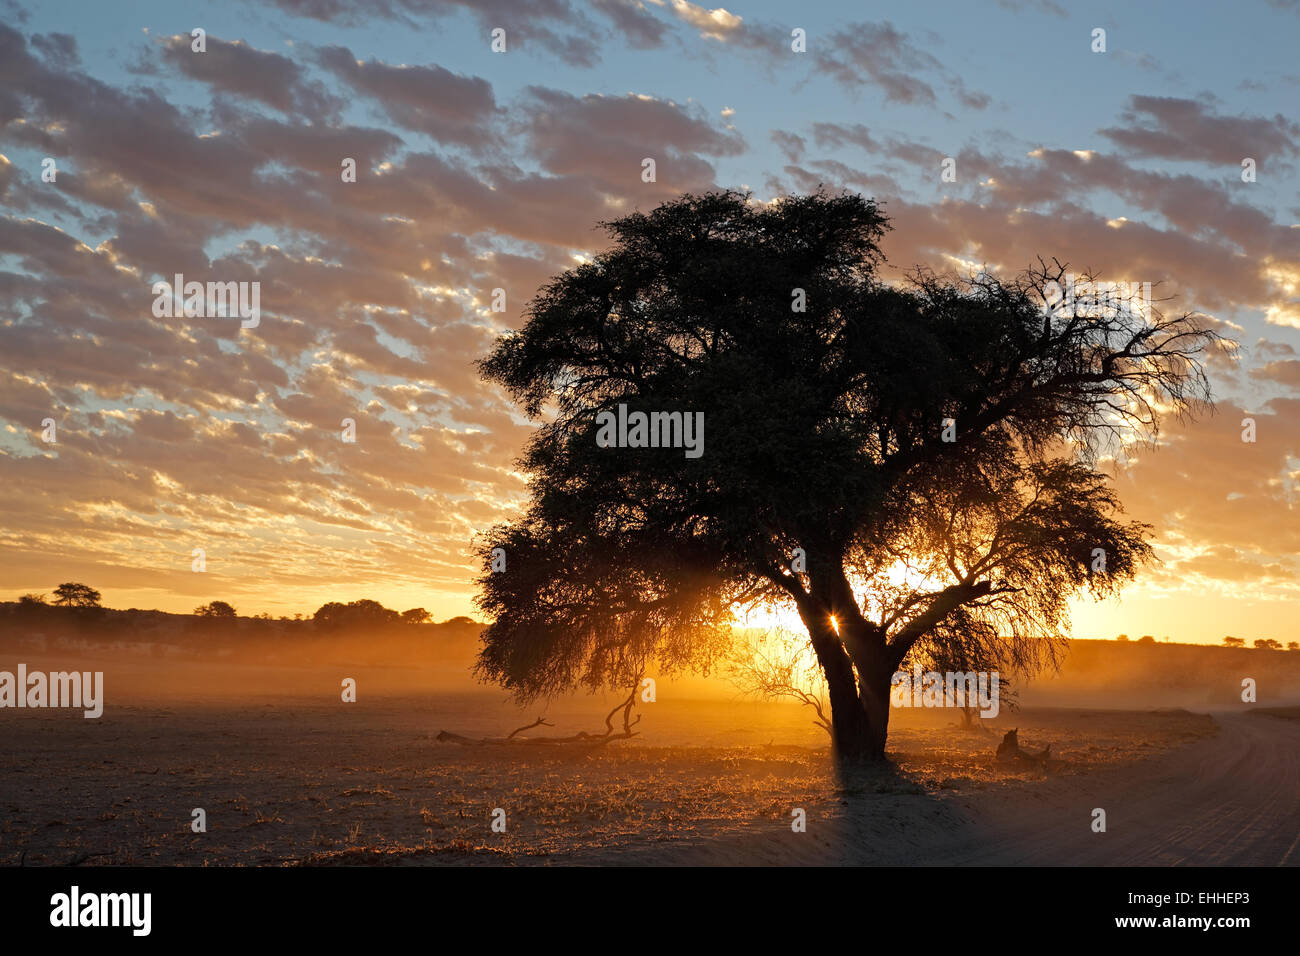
641	29
1211	494
715	24
447	106
1169	127
837	136
238	69
1283	371
878	54
550	25
791	144
608	137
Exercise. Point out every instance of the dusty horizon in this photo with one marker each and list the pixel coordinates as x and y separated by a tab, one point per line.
779	622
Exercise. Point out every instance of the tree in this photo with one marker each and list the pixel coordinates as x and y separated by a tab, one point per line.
31	600
939	434
1268	644
1234	641
1122	637
776	664
215	609
1146	639
76	595
416	615
976	648
355	614
1293	645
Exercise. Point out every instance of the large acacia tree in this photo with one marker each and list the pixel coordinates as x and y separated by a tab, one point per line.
899	464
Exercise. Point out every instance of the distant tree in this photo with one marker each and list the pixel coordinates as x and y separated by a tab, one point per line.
31	599
76	595
355	614
330	614
1146	639
1122	637
973	648
1293	645
416	615
1268	644
215	609
1234	642
459	620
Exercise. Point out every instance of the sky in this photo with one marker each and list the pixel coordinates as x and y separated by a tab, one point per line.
480	170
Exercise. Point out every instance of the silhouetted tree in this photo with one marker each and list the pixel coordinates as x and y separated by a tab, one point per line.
977	650
1234	642
1122	637
853	427
215	609
76	595
355	614
775	664
29	600
1146	639
1268	644
416	615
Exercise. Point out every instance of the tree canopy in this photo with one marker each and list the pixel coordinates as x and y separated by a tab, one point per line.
215	609
899	462
76	595
334	615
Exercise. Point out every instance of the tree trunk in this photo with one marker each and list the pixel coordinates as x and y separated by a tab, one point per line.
855	660
858	687
850	735
870	656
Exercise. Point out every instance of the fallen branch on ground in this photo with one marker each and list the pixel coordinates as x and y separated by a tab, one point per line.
582	737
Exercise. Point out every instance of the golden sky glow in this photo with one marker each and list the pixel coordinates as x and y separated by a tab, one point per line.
479	173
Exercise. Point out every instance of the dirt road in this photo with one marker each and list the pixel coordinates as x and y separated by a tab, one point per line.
1232	799
1229	799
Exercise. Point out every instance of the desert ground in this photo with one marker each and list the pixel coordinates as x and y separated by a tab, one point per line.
251	727
308	781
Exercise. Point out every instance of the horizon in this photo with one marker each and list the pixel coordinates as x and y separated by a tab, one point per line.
303	617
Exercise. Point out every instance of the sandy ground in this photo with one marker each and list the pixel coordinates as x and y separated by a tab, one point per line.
1231	798
292	782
